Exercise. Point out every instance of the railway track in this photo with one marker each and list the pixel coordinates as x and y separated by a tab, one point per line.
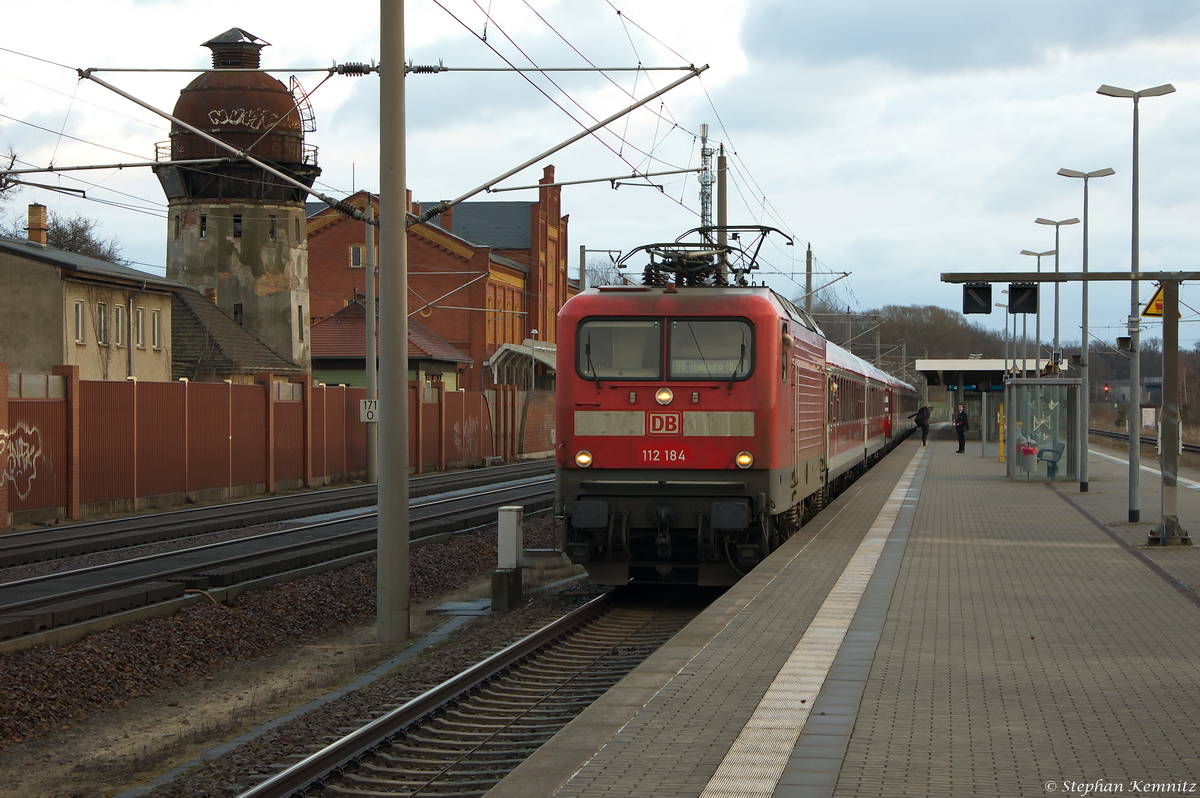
66	605
40	545
465	735
1146	440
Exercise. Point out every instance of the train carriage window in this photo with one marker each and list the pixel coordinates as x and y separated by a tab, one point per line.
718	349
619	349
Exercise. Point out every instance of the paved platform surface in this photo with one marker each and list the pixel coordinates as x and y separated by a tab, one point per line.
939	630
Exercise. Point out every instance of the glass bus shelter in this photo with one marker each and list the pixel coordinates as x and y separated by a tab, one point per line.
1042	413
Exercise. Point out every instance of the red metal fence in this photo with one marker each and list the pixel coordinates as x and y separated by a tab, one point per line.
113	446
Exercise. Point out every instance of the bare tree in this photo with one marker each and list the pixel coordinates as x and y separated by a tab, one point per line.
80	235
602	271
7	184
8	187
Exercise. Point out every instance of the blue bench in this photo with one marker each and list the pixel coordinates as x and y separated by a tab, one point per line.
1051	457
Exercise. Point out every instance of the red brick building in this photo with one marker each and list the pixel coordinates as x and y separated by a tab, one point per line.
483	275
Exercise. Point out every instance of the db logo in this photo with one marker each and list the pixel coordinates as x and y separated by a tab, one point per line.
666	423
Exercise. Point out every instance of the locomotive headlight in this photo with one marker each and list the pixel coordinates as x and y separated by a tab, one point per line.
664	396
583	458
744	460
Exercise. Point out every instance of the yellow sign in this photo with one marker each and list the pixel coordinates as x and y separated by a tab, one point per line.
1154	306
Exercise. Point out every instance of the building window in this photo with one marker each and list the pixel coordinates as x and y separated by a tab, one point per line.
272	226
238	315
80	320
297	229
178	227
119	325
300	320
237	225
139	328
356	260
155	329
102	324
203	225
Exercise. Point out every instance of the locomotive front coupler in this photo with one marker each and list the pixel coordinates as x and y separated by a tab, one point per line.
665	516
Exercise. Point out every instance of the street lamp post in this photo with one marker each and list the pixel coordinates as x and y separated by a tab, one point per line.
532	359
1057	225
1135	342
1085	401
1002	305
1037	352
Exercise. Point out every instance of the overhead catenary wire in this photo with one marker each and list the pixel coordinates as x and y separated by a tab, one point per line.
534	84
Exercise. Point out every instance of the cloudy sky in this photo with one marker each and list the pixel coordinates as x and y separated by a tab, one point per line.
902	139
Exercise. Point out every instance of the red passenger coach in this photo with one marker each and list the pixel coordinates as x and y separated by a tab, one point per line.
700	425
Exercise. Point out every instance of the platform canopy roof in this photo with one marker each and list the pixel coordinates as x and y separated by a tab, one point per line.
976	372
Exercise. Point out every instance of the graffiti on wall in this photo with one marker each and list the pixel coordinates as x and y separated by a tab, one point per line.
466	438
21	447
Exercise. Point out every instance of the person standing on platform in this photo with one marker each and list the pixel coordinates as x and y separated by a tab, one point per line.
921	417
960	428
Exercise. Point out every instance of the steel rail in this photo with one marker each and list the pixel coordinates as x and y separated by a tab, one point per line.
36	545
1146	440
143	578
320	765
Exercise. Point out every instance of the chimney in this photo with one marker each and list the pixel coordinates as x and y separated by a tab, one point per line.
211	295
446	220
37	224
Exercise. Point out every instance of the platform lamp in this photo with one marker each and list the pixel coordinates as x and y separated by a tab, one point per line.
1085	400
1057	225
1135	352
1002	305
1037	350
532	359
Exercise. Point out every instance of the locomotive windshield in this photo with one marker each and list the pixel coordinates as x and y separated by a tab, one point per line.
609	349
632	349
710	349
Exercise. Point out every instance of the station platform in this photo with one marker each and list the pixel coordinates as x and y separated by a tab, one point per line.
939	630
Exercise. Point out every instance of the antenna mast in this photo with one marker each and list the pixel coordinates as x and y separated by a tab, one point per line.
706	181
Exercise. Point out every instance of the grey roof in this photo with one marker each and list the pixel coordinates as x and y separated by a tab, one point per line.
82	264
503	225
314	208
206	343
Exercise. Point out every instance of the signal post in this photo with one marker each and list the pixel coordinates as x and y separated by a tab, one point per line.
1168	529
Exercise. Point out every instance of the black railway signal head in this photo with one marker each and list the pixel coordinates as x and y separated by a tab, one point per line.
1022	298
977	298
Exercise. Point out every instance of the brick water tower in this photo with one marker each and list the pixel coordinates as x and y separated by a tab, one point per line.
235	232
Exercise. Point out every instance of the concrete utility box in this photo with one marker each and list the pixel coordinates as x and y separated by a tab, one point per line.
506	579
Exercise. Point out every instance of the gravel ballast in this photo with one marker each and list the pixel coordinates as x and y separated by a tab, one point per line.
47	691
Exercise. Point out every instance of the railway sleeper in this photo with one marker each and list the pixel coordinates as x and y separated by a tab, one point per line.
470	724
463	785
400	754
472	770
569	691
550	705
467	718
430	760
459	738
599	667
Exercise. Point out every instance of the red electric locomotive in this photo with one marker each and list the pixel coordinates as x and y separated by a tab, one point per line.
700	424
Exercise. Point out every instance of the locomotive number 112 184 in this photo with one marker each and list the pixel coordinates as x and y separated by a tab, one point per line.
663	456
